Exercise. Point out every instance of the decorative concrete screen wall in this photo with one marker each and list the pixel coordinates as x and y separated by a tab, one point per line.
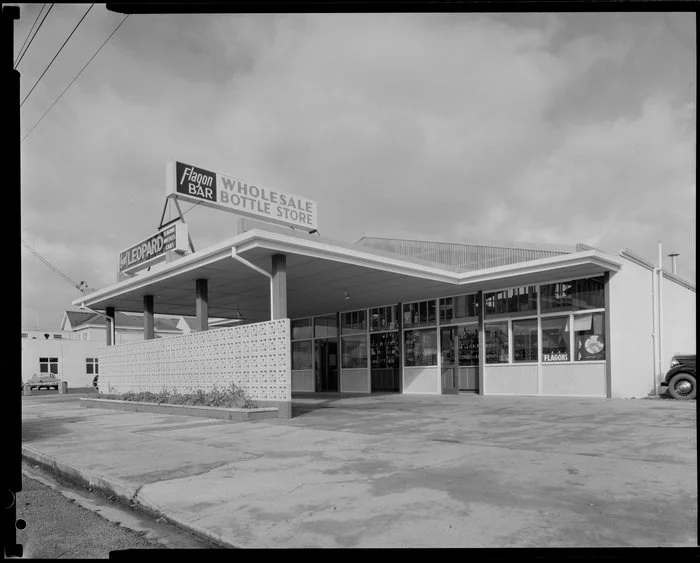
255	357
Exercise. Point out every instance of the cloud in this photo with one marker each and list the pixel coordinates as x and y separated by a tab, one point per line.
539	128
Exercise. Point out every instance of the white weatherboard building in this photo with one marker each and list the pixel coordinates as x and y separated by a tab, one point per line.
389	315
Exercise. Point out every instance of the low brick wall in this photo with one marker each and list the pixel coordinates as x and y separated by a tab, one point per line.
183	410
256	357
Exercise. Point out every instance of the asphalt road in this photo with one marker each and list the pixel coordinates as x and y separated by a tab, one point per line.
65	522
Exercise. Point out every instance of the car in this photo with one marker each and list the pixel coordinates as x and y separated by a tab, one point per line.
45	380
680	378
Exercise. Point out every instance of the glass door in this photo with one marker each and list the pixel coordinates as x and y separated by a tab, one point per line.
326	365
450	370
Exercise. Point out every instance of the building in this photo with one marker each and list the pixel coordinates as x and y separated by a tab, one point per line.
389	315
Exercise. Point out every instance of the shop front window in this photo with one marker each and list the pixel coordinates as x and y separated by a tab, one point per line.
354	351
301	329
458	309
421	313
525	340
589	337
496	343
353	322
420	347
301	354
514	301
384	318
326	326
555	339
468	346
575	295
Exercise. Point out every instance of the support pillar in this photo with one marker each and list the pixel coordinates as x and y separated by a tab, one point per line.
482	341
148	330
278	287
202	290
111	323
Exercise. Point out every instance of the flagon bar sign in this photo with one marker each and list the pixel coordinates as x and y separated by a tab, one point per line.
212	189
138	256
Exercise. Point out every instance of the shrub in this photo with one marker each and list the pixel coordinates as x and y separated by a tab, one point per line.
231	396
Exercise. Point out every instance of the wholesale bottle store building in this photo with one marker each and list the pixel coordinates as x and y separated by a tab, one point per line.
385	315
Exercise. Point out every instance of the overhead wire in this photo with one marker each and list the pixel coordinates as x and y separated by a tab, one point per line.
19	52
75	78
56	55
54	268
35	33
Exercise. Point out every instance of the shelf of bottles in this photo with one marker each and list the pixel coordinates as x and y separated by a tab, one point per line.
384	350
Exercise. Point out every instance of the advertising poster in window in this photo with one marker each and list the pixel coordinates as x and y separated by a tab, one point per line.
590	337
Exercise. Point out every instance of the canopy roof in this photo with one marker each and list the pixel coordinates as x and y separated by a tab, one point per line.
319	273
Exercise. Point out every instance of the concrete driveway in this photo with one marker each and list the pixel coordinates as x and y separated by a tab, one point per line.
400	470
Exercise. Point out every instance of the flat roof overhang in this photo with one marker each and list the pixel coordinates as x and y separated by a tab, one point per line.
318	275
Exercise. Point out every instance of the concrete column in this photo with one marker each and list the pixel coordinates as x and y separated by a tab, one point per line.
608	356
279	287
110	329
482	341
148	332
202	290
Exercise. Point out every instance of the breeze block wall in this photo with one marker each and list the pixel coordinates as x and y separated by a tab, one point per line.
255	357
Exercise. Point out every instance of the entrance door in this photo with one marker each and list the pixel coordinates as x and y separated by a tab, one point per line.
384	362
450	369
326	365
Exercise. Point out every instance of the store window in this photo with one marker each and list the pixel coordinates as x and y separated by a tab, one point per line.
384	318
91	366
420	347
525	340
458	309
301	329
575	295
48	365
589	337
468	346
354	351
384	350
301	355
496	343
421	313
353	322
514	301
555	339
326	326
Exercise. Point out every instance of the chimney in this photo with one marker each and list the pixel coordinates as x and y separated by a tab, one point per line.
674	264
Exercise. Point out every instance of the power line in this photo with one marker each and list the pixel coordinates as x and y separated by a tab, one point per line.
33	36
76	78
29	33
56	55
78	286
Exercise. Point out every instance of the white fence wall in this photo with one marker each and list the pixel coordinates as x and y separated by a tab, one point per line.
255	357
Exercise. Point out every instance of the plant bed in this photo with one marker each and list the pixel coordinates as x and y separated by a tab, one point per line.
228	404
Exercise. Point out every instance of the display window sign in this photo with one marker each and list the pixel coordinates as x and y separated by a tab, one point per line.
194	184
136	257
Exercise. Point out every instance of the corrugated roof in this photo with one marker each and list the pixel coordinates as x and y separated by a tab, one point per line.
469	257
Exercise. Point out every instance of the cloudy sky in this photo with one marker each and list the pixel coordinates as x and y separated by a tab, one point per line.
553	128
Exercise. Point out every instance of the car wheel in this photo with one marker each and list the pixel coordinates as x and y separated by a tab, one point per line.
682	386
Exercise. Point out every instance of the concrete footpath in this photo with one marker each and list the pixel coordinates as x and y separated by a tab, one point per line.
394	470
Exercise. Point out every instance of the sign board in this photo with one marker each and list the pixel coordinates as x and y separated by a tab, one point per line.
142	254
197	185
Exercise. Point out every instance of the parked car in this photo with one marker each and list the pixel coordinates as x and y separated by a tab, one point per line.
680	378
45	380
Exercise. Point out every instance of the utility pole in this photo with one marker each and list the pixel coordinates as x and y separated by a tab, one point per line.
12	466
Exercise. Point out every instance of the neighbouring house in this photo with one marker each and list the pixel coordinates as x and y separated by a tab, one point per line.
72	353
